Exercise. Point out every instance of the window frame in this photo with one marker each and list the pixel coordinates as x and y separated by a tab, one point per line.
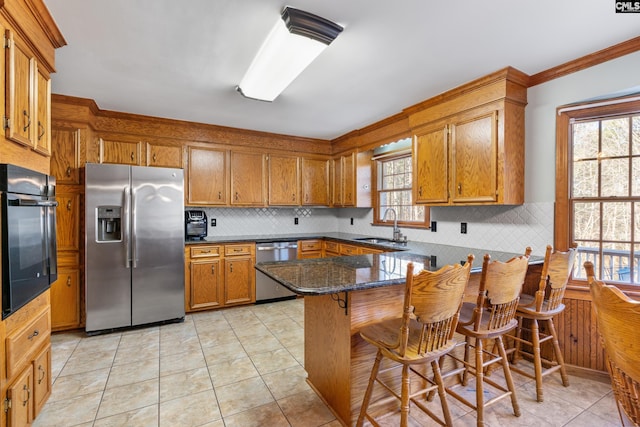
598	110
375	175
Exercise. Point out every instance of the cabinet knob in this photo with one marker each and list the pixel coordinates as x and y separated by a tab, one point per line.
132	155
155	157
28	394
28	119
293	197
213	269
69	205
219	195
420	191
69	171
459	188
231	267
237	197
42	374
69	281
34	334
40	130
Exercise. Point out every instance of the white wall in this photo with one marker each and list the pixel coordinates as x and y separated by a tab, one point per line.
502	228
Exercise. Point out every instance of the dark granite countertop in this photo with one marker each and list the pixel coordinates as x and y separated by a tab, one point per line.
350	273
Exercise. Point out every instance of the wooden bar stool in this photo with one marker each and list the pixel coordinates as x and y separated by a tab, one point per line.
492	316
422	335
618	321
542	307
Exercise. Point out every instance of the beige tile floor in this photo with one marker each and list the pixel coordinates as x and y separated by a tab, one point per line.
243	367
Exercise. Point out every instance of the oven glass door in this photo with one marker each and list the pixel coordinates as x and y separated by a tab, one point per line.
29	249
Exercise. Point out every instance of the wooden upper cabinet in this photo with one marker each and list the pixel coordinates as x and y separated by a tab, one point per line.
315	182
474	144
20	88
65	157
120	152
430	165
68	221
284	180
207	174
344	180
248	179
468	143
167	156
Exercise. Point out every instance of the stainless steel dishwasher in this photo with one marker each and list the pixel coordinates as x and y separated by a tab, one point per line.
268	289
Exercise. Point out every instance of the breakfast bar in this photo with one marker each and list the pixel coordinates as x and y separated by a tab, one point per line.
344	294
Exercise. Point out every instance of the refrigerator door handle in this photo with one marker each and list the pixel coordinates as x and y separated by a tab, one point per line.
126	226
134	223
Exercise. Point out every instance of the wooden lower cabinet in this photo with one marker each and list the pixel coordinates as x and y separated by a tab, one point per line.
65	299
219	275
19	402
41	379
310	249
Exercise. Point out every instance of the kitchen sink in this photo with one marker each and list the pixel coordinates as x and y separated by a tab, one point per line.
375	240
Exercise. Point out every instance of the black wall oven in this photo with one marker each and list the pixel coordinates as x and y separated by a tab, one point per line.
29	261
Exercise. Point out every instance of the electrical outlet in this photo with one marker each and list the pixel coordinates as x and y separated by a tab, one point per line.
433	261
463	227
351	221
434	226
213	222
295	221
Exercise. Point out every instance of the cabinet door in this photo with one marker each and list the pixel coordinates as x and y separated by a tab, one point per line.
168	156
20	73
474	150
315	182
206	282
41	379
239	279
430	171
207	176
65	299
284	181
119	152
20	394
337	197
348	163
65	158
248	179
68	221
43	112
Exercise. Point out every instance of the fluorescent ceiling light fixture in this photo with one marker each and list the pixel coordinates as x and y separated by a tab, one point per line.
293	43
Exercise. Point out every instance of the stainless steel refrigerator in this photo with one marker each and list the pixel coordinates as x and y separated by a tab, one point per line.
134	272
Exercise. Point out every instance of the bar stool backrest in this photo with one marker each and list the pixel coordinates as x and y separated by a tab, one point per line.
618	322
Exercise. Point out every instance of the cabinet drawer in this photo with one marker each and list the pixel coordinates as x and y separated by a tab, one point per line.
348	250
25	342
331	246
205	251
310	245
241	249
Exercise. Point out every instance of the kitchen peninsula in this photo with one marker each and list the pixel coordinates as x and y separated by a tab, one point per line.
344	294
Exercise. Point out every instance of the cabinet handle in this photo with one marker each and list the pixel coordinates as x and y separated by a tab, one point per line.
459	188
237	197
69	281
69	205
28	390
42	372
34	334
69	171
155	157
206	251
41	134
213	269
293	197
231	267
132	155
420	191
25	114
237	250
219	195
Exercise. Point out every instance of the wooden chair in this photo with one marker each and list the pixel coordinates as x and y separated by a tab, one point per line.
422	335
542	307
492	316
618	322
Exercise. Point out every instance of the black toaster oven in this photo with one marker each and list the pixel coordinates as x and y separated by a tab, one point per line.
195	225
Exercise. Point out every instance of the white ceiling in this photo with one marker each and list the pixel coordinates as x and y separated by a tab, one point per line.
183	59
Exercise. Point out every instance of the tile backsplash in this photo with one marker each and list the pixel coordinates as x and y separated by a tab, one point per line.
501	228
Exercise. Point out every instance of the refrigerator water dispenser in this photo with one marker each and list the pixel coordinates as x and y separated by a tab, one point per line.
109	218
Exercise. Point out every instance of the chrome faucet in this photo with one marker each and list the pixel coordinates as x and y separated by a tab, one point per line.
397	235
